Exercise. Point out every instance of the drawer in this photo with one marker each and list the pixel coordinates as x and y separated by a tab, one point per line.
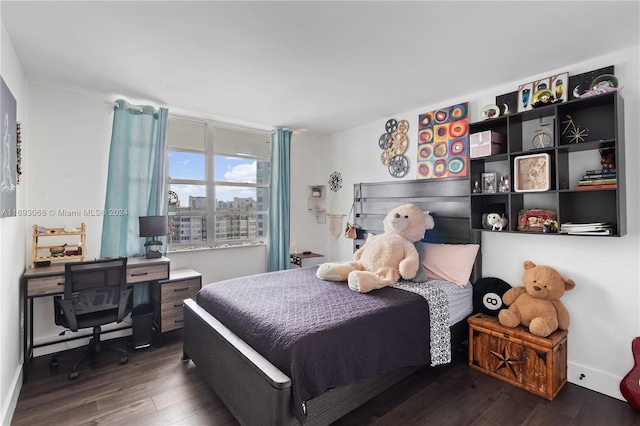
138	274
171	308
178	291
43	286
172	320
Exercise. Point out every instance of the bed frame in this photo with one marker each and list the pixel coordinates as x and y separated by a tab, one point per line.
255	391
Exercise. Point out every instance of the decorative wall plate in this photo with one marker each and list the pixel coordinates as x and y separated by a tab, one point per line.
607	80
542	97
490	111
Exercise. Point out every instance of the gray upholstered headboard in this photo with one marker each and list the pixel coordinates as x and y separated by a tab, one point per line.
447	200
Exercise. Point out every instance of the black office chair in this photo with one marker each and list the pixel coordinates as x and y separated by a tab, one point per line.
95	294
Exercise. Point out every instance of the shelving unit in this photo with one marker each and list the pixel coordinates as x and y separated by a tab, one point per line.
315	202
57	237
603	116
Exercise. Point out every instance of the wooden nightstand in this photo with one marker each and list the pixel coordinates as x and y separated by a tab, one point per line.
536	364
297	258
167	297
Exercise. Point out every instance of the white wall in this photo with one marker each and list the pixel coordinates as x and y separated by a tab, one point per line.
308	159
605	305
13	249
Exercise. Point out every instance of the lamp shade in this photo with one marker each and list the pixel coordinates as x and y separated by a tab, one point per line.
153	226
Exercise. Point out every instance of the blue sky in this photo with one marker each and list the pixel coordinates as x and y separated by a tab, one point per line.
185	165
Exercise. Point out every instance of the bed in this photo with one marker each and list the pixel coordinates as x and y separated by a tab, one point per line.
330	362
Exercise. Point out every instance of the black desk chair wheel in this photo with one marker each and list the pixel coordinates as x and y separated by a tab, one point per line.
95	294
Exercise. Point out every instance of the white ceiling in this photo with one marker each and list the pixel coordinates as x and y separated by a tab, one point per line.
319	66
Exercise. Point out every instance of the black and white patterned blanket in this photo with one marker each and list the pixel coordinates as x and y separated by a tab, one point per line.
440	332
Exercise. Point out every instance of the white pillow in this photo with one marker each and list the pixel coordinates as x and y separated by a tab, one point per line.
450	262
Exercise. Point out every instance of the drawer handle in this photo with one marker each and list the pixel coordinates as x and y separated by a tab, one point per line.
139	274
60	283
177	306
180	289
177	321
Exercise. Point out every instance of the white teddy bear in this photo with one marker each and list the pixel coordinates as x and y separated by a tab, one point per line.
384	258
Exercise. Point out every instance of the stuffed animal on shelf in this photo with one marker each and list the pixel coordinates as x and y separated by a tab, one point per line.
497	221
608	161
384	258
537	304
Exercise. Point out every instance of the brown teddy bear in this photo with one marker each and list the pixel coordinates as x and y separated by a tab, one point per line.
608	161
384	258
537	305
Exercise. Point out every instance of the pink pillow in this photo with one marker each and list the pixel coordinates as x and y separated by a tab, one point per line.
450	262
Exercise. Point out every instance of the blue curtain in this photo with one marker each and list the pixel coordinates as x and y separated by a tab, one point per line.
136	182
279	200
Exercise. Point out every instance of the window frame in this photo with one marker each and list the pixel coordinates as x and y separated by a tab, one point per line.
211	184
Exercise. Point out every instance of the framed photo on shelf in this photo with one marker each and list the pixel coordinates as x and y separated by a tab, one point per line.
532	173
542	84
525	93
489	182
560	86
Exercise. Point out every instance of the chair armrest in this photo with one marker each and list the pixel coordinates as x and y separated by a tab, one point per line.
123	304
65	307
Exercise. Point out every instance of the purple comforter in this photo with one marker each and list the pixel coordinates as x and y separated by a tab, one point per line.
319	333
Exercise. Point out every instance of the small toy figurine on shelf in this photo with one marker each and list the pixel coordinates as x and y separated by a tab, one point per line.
608	161
476	187
550	226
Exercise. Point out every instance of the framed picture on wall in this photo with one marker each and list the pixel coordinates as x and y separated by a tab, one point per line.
8	152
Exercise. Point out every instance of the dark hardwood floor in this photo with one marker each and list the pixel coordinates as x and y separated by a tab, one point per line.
157	388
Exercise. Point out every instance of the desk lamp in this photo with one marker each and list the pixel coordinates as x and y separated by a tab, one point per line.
153	226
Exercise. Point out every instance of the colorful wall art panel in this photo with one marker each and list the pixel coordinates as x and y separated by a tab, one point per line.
443	143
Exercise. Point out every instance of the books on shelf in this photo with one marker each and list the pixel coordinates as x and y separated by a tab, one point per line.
606	186
591	228
600	171
600	176
601	232
598	181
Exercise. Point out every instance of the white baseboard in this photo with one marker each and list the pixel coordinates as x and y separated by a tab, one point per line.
594	380
9	404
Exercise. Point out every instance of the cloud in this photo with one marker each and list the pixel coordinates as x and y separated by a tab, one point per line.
245	172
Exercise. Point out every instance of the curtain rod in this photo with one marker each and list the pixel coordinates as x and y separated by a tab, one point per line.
192	118
133	107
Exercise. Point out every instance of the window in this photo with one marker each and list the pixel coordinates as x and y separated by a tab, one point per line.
218	183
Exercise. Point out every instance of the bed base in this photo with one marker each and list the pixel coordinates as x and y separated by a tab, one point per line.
259	394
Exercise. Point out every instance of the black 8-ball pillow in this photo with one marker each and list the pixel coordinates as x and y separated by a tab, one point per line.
487	295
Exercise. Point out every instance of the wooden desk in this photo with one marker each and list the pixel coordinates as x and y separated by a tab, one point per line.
297	258
46	281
